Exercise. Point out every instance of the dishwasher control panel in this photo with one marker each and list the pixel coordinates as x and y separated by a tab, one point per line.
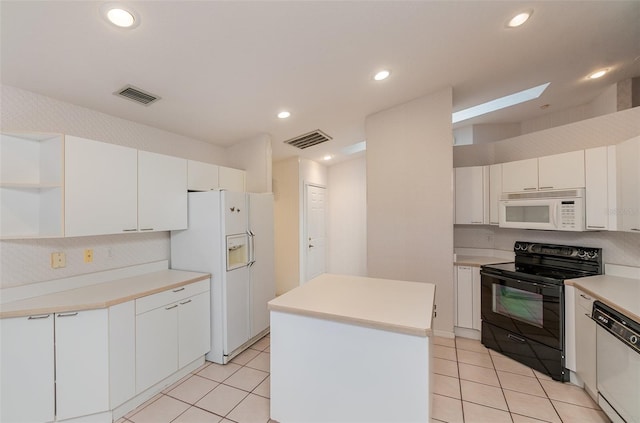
627	330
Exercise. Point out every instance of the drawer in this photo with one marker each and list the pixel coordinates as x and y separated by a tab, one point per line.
585	301
169	296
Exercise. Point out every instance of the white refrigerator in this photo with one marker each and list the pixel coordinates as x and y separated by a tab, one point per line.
230	235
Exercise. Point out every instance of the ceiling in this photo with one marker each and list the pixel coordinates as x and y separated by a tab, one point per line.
224	69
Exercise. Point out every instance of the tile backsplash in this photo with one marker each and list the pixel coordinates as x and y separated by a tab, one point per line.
617	247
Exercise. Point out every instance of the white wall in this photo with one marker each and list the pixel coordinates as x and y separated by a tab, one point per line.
347	218
27	261
410	197
255	157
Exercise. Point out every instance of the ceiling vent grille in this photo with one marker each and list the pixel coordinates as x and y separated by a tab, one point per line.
132	93
309	139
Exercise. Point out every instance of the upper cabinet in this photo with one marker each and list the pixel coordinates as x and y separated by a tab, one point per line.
101	190
600	193
162	192
495	189
561	171
231	179
31	185
202	176
628	183
472	184
558	171
521	175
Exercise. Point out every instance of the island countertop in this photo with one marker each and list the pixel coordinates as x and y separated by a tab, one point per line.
391	305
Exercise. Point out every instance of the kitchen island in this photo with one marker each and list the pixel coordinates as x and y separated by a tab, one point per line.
352	349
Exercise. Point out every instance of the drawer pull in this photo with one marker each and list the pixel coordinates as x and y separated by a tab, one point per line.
173	306
585	297
67	314
44	316
515	338
186	302
179	289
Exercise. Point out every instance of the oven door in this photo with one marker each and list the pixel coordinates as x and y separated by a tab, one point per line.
530	309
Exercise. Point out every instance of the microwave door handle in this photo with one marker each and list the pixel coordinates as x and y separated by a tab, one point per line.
554	215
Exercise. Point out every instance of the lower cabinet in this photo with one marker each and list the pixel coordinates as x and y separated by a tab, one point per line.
467	293
172	330
585	342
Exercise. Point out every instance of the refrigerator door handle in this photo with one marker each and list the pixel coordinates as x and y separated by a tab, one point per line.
252	248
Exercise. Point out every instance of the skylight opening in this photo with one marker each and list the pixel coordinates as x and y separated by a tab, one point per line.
355	148
499	103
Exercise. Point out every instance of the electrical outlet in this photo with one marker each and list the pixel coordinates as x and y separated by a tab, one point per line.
88	256
58	260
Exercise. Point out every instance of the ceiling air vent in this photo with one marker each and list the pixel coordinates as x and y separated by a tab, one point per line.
136	94
309	139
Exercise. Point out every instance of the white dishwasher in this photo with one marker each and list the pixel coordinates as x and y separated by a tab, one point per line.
618	364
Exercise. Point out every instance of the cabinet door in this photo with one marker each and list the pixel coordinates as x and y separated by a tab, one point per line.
596	193
27	369
475	288
561	171
231	179
464	296
495	189
100	188
201	176
162	192
82	363
194	330
122	352
521	175
585	341
628	181
156	345
469	195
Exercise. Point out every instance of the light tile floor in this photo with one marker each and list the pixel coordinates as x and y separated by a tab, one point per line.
470	383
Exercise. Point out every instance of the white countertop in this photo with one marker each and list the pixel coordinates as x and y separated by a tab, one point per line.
101	295
397	306
477	261
623	294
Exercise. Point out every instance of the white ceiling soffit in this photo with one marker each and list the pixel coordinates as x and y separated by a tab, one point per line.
226	68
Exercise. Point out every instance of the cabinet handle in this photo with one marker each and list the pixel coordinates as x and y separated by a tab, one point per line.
146	229
494	223
595	227
179	289
546	187
635	229
515	338
530	188
44	316
129	230
173	306
186	302
67	314
588	315
475	222
585	297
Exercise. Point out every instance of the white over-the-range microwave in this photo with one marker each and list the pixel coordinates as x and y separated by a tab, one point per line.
558	210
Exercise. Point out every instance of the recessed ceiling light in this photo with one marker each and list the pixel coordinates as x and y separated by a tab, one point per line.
499	103
284	114
120	16
519	19
598	74
327	157
383	74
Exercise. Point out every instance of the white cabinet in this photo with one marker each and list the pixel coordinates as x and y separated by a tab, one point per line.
82	363
31	185
162	192
495	190
122	352
561	171
521	175
27	369
172	330
585	329
467	293
231	179
628	182
100	188
472	184
558	171
600	192
201	176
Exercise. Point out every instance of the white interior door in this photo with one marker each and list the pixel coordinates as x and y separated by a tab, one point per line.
314	242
